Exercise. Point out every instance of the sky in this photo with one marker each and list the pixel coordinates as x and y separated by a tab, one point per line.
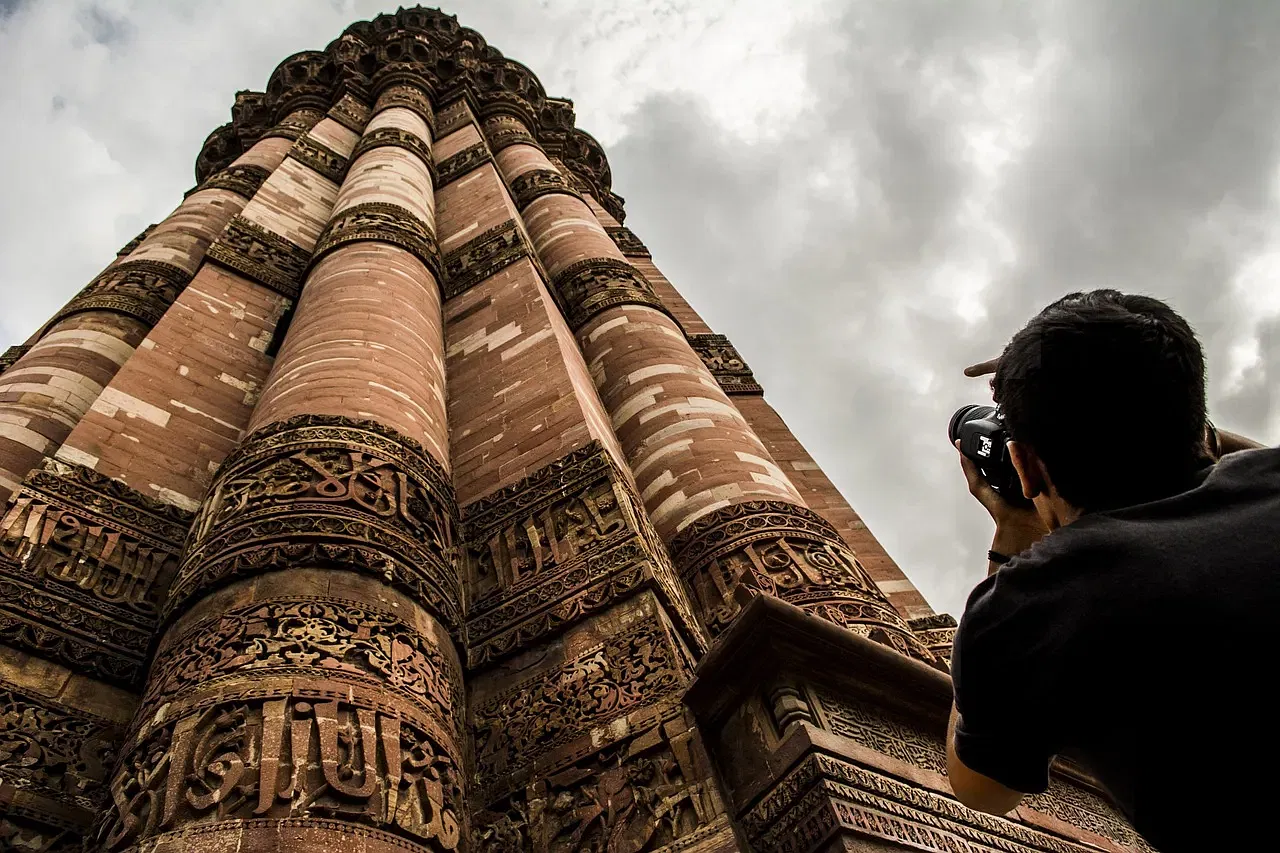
865	196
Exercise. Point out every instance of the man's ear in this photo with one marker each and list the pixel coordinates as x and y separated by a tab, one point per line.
1035	480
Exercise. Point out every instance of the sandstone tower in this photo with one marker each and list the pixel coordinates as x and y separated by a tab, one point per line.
385	496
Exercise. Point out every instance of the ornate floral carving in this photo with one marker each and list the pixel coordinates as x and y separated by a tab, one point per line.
262	255
320	490
593	285
128	248
11	355
320	158
244	180
626	241
725	364
483	256
394	136
351	113
284	757
937	633
784	550
536	183
384	223
143	289
644	793
462	163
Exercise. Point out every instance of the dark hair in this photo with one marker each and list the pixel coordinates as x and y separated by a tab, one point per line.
1109	390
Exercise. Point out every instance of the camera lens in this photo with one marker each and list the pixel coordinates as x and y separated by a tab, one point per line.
965	414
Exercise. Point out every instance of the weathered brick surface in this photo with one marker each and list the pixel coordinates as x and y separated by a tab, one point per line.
821	495
181	403
463	137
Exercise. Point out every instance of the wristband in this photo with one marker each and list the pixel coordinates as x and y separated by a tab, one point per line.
997	558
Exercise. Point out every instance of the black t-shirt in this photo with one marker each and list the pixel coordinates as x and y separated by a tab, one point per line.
1142	643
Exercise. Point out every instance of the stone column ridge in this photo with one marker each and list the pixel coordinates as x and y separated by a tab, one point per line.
725	364
326	490
568	541
594	285
84	564
382	222
789	552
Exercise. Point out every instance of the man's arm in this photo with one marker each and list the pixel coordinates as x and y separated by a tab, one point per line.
976	791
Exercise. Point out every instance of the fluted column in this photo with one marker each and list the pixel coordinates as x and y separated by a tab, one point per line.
735	523
45	393
307	690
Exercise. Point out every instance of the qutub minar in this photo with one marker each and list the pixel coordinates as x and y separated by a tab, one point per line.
386	497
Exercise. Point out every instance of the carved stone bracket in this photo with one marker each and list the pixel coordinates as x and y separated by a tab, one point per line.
937	632
322	490
320	158
469	158
384	223
528	186
567	541
128	248
11	355
84	563
243	180
593	285
725	364
261	255
626	241
394	136
483	256
142	289
789	552
352	113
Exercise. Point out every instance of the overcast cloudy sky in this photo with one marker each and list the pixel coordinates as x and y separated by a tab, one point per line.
864	196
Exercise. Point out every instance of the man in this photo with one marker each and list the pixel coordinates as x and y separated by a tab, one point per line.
1128	617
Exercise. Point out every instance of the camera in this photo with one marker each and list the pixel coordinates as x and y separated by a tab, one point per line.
983	438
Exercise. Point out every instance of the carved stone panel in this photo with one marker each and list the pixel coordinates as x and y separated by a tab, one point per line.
321	490
410	97
244	180
725	364
593	285
784	550
11	355
626	241
452	118
483	256
261	255
471	157
143	289
398	138
384	223
128	248
320	158
350	112
937	632
528	186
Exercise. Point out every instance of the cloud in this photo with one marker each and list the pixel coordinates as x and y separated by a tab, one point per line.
864	196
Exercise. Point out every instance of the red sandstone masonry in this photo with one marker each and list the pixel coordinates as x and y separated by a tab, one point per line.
689	319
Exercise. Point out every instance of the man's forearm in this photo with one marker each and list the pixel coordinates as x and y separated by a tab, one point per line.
1230	442
1010	542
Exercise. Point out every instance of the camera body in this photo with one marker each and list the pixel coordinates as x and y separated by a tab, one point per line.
984	438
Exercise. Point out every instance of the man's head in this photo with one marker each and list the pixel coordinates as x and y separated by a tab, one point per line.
1103	394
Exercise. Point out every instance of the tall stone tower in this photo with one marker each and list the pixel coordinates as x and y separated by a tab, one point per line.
385	496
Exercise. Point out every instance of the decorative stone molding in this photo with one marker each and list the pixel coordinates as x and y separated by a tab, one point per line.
626	241
528	186
482	256
320	158
410	96
296	125
789	552
322	490
261	255
394	136
352	113
937	632
567	541
128	248
11	355
469	158
243	180
502	137
593	285
142	289
384	223
452	118
725	364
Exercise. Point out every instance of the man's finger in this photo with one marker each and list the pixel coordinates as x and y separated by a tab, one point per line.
982	368
971	473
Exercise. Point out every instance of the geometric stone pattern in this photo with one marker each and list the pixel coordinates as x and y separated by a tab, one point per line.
725	364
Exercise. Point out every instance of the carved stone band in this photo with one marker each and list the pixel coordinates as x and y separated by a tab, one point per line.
483	256
406	94
351	113
243	180
503	137
528	186
626	241
320	158
296	125
588	287
462	163
725	364
128	248
143	289
937	632
261	255
394	136
11	355
381	222
792	553
322	490
452	118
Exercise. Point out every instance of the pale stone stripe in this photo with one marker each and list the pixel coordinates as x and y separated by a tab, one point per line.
113	400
